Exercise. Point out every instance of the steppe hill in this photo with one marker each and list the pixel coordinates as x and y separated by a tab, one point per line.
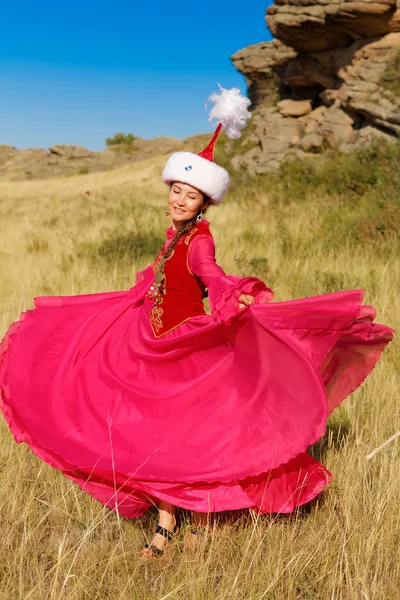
330	79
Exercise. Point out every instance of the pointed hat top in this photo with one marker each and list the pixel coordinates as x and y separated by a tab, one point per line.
208	152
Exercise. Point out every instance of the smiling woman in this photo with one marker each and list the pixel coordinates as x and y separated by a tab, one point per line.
142	398
185	202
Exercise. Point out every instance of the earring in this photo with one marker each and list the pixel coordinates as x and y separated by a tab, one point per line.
199	217
167	213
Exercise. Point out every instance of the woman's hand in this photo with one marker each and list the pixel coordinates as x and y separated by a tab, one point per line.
245	300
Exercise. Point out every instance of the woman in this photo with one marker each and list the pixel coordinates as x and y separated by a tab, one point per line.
187	205
142	398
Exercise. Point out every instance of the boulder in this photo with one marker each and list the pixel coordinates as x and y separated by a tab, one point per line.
368	132
313	142
314	25
259	63
329	97
69	152
294	108
365	88
338	126
318	114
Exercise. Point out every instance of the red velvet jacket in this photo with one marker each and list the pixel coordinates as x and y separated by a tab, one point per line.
183	291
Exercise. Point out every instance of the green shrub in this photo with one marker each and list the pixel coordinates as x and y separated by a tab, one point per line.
356	195
391	77
120	138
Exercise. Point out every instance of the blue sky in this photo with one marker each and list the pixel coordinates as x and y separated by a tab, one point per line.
77	72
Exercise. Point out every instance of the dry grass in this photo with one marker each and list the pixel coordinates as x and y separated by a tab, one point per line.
57	542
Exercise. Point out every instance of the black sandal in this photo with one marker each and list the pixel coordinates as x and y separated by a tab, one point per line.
165	533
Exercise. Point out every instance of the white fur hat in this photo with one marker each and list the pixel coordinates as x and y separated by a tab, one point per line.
200	170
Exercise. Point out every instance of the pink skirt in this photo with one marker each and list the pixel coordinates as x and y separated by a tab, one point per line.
209	417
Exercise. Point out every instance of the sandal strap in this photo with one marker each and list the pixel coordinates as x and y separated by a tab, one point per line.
154	550
164	532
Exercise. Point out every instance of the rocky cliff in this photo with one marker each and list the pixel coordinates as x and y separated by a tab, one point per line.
329	79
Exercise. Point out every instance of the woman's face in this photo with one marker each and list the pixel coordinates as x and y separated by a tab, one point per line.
185	202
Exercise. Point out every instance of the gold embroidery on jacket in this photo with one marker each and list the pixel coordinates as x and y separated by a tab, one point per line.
161	279
187	238
155	317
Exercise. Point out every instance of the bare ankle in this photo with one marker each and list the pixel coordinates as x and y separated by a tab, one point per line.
200	519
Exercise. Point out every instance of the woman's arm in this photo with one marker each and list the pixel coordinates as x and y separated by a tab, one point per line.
203	264
201	259
227	293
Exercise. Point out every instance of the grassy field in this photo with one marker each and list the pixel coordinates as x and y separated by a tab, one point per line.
307	230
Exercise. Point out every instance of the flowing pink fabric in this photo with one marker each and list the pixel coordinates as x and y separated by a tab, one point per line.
215	415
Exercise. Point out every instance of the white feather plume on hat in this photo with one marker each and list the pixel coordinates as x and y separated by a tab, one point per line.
230	109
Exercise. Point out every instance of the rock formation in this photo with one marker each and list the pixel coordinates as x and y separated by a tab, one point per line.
64	159
330	79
